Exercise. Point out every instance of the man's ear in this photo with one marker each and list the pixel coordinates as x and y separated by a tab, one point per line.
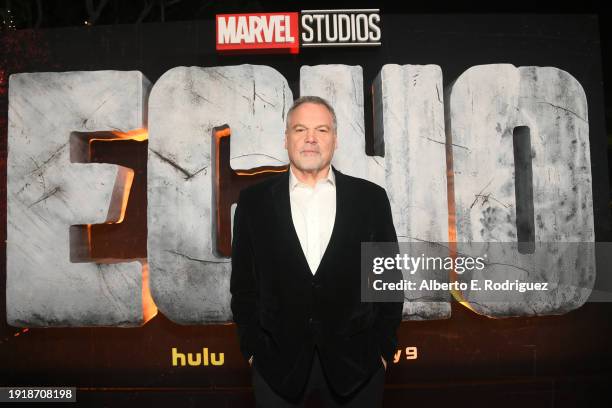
336	141
285	140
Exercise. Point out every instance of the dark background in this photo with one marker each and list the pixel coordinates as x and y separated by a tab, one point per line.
64	13
469	359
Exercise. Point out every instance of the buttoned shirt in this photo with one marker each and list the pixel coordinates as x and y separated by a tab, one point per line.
313	211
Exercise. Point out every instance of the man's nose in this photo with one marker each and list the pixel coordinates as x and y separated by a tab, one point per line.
310	137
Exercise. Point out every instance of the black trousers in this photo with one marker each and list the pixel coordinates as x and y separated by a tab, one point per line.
317	392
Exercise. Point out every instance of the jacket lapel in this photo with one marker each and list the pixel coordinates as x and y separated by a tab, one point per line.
282	205
339	222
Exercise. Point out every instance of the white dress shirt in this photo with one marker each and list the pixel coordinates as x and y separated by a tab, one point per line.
313	210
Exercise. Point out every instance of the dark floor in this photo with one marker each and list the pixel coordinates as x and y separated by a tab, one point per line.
538	392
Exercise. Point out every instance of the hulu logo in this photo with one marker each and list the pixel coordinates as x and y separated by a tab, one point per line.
196	359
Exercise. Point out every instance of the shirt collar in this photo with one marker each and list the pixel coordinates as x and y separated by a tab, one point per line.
294	182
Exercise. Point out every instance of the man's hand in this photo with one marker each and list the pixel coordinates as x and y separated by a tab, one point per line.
251	362
383	361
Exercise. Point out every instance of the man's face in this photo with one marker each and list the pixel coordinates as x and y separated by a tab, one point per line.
310	138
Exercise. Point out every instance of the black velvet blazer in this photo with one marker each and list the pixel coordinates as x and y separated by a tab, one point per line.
282	311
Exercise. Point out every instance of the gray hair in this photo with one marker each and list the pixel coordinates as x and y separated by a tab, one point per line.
317	100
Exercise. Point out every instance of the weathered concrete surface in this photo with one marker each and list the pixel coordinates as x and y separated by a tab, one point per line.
189	283
409	132
486	104
342	86
47	194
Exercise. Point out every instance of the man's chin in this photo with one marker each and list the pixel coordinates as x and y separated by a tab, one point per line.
309	167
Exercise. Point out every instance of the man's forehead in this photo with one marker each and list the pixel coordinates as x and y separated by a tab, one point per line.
308	113
300	124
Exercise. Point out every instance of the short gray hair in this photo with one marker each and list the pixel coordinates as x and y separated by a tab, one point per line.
317	100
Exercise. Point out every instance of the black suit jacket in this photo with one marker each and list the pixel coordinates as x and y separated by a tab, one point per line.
283	311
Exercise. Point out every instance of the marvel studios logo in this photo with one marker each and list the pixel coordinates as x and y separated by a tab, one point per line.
329	28
287	32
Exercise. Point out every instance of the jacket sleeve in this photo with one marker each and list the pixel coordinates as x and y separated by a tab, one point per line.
243	282
388	314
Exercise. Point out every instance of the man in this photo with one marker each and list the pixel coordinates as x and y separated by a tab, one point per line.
295	280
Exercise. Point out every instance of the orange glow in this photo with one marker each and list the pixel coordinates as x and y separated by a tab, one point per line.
252	173
137	134
227	184
149	308
218	134
223	132
128	178
126	194
125	179
452	224
89	241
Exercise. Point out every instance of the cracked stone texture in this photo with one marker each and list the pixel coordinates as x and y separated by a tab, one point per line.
189	283
46	194
342	87
409	133
486	103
